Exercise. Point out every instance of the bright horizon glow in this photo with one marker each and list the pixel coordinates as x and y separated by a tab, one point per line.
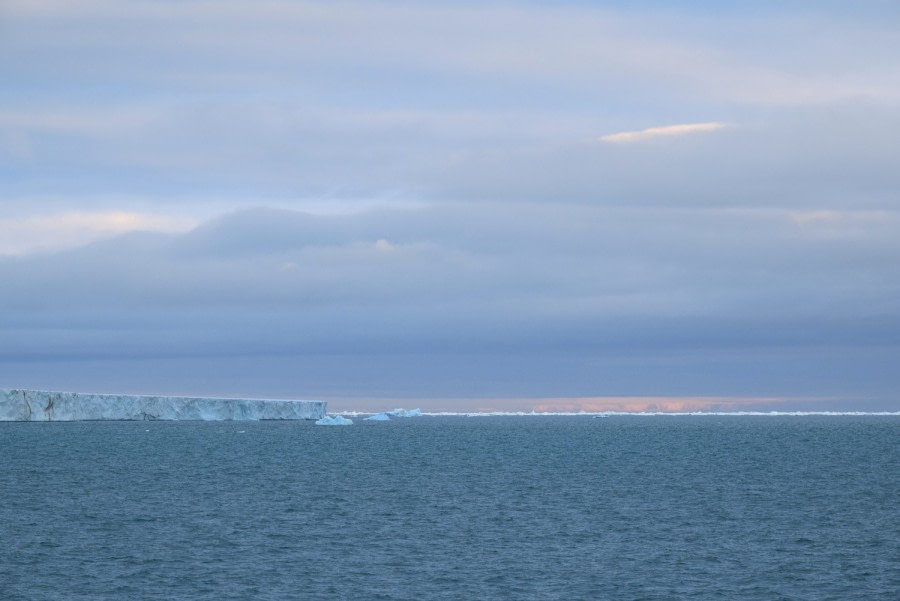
52	232
591	405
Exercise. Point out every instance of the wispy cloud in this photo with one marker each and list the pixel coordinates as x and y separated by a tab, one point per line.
21	236
665	130
837	217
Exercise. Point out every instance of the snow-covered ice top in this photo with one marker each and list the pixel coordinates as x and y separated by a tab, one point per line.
35	405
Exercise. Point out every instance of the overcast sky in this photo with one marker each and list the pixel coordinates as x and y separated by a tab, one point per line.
455	205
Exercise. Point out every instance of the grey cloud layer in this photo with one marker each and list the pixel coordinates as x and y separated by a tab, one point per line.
350	100
842	157
583	46
465	277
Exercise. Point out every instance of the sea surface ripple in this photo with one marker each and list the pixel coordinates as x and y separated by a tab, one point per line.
453	508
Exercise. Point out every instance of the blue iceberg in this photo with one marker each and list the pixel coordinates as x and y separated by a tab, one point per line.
334	420
378	417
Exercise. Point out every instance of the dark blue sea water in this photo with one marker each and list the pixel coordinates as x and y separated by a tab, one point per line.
453	508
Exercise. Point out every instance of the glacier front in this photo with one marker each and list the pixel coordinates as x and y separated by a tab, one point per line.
36	405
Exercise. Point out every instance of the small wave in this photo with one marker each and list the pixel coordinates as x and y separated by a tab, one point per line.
639	414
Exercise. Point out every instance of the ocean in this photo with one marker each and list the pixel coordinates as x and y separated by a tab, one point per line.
525	507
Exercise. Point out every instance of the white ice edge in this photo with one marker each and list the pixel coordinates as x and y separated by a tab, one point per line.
639	414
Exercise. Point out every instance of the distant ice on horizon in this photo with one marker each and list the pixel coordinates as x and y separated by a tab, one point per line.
400	412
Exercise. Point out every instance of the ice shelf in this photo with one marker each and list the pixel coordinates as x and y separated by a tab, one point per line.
37	405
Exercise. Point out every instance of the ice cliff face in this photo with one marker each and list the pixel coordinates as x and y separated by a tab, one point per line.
34	405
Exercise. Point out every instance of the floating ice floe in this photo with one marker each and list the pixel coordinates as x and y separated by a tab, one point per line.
400	412
378	417
334	420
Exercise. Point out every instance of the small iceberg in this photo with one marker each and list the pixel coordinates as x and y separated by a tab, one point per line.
334	420
378	417
400	412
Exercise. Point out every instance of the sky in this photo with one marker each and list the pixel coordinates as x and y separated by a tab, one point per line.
453	205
